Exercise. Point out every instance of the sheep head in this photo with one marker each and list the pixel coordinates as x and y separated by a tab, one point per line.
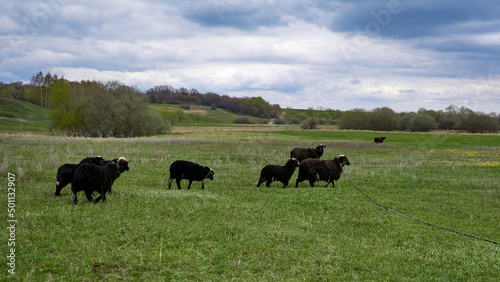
122	164
293	163
320	147
210	174
343	160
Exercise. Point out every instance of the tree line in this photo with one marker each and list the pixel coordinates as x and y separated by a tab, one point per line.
251	106
452	118
89	108
92	108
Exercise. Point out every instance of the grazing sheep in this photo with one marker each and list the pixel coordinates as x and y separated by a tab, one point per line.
66	172
305	153
283	174
321	170
379	139
93	178
188	170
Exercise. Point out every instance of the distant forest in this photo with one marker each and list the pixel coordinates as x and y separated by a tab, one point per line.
92	108
251	106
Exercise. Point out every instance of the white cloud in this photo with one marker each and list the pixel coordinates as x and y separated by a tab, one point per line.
288	52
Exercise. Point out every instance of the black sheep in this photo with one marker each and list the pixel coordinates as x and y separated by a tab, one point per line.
93	178
280	173
305	153
321	170
188	170
66	172
379	139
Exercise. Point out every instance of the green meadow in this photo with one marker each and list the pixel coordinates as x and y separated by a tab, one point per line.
232	230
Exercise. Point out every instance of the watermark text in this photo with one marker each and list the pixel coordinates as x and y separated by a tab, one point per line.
11	222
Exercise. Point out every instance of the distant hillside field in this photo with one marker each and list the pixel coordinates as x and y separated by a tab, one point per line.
209	117
16	115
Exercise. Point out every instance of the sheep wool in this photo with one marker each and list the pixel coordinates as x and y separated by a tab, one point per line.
321	170
181	169
92	178
306	153
283	174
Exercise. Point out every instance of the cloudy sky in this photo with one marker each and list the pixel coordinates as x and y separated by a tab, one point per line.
404	54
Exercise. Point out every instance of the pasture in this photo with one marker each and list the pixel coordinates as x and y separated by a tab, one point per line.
232	230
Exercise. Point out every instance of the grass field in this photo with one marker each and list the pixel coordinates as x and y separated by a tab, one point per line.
21	116
235	231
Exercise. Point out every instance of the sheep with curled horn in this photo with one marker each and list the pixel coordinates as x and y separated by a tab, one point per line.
307	153
280	173
321	170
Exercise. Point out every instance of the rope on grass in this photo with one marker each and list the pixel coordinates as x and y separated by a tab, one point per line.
418	220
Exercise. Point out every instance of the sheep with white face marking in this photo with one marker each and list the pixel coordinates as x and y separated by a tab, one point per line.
188	170
66	172
280	173
321	170
306	153
92	178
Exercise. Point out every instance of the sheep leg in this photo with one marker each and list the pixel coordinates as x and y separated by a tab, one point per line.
89	196
169	182
285	183
102	196
261	179
178	181
268	183
75	199
202	185
311	181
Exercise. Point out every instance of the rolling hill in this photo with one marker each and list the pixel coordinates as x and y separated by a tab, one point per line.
16	115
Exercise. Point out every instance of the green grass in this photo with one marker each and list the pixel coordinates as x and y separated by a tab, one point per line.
22	116
18	116
233	230
209	117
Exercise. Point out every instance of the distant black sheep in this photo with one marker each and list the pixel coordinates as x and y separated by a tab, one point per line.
188	170
379	139
305	153
283	174
66	172
321	170
92	178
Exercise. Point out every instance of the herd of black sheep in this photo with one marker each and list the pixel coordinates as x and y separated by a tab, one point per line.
95	174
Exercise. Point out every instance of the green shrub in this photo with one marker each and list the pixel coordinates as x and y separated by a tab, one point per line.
422	122
279	121
242	120
310	123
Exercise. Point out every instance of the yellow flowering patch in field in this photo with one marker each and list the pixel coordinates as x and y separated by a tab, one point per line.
472	157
